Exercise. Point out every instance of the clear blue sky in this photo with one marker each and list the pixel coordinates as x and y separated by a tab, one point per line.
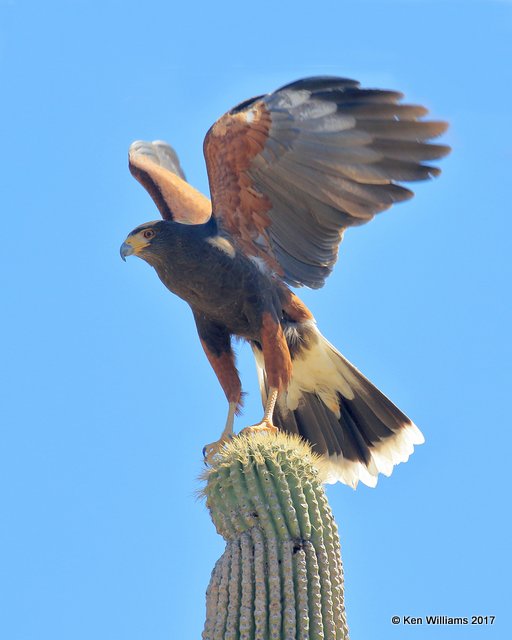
107	396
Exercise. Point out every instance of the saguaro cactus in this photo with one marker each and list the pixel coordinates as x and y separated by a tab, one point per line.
280	576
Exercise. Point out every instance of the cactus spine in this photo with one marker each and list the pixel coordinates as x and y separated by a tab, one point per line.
280	576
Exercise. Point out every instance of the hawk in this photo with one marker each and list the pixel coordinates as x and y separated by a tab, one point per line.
289	172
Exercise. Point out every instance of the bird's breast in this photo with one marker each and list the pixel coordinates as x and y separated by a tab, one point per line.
219	282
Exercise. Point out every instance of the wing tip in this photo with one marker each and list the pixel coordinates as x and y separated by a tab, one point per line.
158	152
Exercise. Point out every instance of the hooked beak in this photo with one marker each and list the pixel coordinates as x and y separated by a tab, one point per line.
126	250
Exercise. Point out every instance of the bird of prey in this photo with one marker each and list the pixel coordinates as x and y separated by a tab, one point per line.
289	172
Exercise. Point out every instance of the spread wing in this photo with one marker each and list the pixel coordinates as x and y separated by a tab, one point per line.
157	167
291	170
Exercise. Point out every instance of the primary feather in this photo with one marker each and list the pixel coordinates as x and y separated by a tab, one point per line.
290	171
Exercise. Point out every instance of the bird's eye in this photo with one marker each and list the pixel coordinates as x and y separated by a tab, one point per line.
148	234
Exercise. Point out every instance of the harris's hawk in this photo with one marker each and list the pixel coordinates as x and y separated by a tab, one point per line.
288	173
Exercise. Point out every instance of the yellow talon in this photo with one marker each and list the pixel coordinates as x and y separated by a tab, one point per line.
264	425
212	449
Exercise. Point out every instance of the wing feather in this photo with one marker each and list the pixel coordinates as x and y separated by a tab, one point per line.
290	171
157	167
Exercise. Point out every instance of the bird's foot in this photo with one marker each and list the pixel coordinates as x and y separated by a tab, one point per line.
265	426
212	449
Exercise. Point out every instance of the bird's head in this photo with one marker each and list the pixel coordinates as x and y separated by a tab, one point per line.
145	240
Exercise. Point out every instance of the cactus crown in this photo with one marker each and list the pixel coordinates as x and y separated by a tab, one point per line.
280	576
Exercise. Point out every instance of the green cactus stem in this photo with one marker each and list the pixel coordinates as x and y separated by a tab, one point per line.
280	576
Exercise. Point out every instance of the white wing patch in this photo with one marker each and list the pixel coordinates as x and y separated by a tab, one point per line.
223	244
261	264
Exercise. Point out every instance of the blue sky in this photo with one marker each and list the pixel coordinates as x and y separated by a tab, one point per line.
107	396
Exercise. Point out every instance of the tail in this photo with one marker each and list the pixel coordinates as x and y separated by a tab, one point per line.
358	431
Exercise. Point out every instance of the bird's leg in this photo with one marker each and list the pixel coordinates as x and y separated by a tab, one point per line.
278	368
213	448
216	342
270	405
266	422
